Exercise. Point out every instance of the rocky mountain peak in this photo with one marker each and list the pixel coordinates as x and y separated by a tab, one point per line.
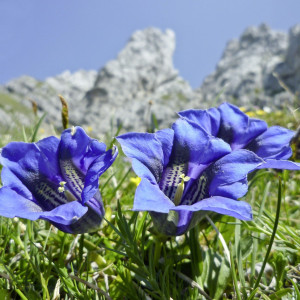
141	87
245	72
144	64
142	73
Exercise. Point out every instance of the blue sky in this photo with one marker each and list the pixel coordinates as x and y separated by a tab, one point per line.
44	38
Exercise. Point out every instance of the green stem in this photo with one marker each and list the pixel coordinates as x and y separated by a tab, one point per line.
255	235
22	296
272	237
81	243
157	251
232	267
196	255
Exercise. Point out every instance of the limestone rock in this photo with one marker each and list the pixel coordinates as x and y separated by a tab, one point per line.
140	82
72	86
289	70
244	73
141	87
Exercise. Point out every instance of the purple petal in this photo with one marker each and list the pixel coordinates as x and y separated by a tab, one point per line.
89	222
209	119
65	214
14	205
192	145
10	180
280	164
234	190
81	156
230	169
273	143
147	150
237	128
79	148
184	221
49	147
225	206
95	170
148	197
166	137
172	223
30	161
36	167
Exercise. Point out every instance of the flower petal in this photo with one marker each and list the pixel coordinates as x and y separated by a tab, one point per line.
226	172
65	214
10	180
237	128
222	205
77	152
234	190
192	145
78	147
14	205
29	161
172	223
184	220
280	164
273	143
209	119
49	147
95	170
148	197
37	169
147	150
166	137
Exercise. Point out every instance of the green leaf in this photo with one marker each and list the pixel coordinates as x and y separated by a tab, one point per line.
279	262
216	273
36	128
279	294
4	294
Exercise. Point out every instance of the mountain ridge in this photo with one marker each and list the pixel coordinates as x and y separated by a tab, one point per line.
141	86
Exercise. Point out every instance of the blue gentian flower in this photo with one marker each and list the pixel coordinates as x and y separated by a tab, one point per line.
230	124
186	172
55	180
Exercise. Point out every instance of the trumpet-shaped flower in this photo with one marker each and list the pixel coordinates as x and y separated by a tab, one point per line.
186	172
242	132
55	180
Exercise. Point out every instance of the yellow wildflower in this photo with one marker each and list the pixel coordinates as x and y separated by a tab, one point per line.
250	114
260	112
135	180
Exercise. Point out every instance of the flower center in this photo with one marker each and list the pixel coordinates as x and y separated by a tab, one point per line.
180	189
61	189
196	191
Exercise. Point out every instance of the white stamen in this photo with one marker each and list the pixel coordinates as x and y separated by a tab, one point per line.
61	189
73	130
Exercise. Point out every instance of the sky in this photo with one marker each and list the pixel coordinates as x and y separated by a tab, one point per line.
44	38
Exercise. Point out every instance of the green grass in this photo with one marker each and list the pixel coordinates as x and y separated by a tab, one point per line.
126	259
12	105
16	112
